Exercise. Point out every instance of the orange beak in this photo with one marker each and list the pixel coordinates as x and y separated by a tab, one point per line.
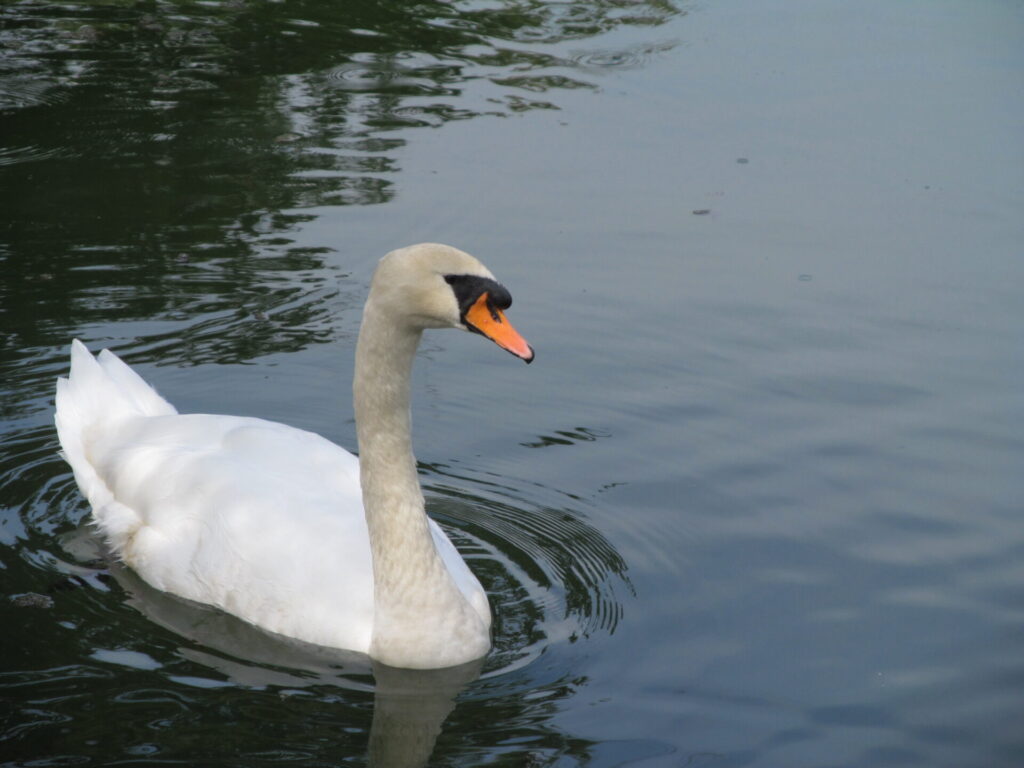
491	322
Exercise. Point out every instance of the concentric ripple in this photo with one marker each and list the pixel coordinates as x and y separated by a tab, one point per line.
551	577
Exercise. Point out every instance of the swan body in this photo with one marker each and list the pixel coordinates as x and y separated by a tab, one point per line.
280	526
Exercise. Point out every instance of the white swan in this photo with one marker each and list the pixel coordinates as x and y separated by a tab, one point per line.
280	526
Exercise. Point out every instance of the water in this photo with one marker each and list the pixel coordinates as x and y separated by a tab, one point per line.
758	502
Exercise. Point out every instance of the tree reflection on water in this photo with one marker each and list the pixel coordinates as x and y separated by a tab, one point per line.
157	148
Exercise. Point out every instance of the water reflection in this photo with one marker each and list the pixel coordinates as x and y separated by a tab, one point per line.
157	164
548	573
155	157
552	578
409	706
409	709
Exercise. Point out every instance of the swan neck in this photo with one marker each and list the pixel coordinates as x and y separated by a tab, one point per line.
384	358
421	618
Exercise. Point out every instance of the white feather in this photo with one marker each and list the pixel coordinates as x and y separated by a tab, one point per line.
263	520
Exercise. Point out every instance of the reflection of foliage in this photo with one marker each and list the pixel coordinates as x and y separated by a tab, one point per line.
154	160
150	148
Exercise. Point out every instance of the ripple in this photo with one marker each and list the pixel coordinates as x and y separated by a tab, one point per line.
432	116
541	83
412	117
551	576
44	677
123	658
621	58
24	91
31	154
845	390
401	73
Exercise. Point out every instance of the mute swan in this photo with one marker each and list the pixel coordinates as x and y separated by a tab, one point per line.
280	526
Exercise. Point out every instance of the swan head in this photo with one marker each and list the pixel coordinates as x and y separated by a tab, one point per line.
436	286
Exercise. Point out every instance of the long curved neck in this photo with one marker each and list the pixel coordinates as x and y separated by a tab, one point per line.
384	357
421	618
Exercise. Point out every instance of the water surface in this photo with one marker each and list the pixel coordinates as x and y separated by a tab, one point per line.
757	503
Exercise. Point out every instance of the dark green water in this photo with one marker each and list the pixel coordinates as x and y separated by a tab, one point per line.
760	500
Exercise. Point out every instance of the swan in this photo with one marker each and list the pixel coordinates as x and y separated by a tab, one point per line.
280	526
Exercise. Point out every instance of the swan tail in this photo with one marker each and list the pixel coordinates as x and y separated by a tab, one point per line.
98	393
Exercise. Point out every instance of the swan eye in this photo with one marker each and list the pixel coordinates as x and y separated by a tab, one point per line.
469	288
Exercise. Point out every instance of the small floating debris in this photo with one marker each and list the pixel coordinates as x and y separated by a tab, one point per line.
702	212
742	160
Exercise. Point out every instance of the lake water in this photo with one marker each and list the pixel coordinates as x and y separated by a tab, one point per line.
759	501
